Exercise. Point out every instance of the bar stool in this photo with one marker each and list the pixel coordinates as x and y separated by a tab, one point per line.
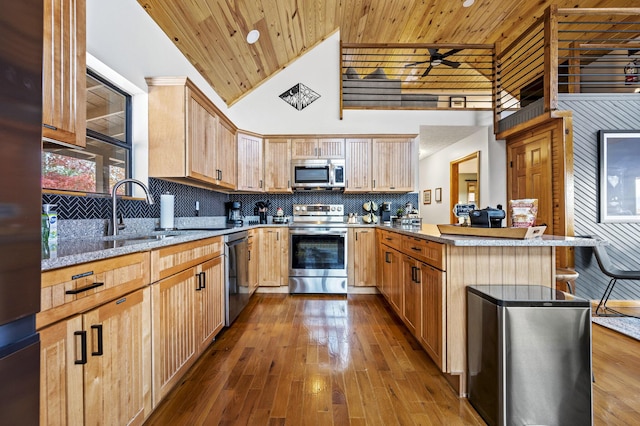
567	276
607	267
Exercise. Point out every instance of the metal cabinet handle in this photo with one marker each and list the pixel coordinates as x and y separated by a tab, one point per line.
386	256
49	126
83	347
85	288
98	328
204	279
260	183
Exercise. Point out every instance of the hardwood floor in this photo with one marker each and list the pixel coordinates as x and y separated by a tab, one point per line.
335	360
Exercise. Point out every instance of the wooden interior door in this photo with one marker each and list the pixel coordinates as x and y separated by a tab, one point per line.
530	175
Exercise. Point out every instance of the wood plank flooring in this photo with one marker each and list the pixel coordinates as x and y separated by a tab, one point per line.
335	360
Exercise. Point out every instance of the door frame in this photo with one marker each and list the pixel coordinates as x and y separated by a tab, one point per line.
454	186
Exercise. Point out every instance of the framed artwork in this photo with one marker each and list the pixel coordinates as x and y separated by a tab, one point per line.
619	168
438	195
426	196
457	102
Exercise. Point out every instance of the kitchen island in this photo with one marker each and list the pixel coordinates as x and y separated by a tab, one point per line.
434	271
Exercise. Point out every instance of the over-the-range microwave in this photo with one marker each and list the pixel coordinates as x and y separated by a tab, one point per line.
315	174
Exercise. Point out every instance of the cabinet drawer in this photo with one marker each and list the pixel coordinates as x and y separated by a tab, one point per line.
170	260
424	250
75	289
391	239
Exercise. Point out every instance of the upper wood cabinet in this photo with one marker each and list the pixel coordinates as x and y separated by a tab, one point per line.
277	165
317	148
250	163
64	72
358	165
393	166
189	140
225	154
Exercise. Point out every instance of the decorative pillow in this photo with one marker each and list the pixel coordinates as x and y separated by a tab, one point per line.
378	74
352	74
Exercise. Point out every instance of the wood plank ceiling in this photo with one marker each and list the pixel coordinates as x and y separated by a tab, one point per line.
212	33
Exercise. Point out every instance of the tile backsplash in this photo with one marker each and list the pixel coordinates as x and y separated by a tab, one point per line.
211	202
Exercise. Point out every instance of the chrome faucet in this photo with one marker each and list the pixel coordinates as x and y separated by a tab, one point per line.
114	222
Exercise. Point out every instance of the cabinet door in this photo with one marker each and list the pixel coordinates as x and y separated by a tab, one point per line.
358	165
393	165
250	163
210	295
61	373
173	323
277	165
411	294
226	155
392	278
201	142
331	148
304	148
364	253
270	259
64	71
432	334
253	244
118	371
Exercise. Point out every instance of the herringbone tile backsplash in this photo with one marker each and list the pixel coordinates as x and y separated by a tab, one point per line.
211	202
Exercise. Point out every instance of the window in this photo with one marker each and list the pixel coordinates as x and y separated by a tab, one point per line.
107	156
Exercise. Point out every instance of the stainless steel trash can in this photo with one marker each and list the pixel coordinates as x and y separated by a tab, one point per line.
529	355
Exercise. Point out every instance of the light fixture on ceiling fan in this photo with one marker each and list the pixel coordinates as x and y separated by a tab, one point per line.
436	59
468	3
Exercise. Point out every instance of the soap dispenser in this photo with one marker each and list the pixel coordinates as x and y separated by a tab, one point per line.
50	221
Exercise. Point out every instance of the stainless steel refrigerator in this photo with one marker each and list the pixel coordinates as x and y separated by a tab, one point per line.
20	206
529	355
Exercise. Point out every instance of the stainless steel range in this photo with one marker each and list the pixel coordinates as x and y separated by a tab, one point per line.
318	249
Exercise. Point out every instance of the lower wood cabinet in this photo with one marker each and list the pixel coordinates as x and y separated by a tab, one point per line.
411	294
253	242
361	247
96	366
188	312
274	257
390	281
432	335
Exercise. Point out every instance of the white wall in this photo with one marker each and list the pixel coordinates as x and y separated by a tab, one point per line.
435	173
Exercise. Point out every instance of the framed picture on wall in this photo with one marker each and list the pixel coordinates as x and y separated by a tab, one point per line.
619	168
438	195
426	196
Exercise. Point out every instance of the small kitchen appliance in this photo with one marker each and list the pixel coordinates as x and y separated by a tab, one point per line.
262	207
234	213
385	213
487	217
318	175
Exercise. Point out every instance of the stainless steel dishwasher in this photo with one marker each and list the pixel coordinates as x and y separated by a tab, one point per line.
236	268
529	355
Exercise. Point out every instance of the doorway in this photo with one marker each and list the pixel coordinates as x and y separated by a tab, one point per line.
465	182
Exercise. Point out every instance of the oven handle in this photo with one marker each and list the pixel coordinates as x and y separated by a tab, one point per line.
318	231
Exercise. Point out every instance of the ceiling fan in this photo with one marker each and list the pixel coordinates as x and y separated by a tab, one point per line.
436	59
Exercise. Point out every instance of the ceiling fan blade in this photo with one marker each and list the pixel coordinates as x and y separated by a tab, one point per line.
433	52
411	64
424	74
451	52
451	63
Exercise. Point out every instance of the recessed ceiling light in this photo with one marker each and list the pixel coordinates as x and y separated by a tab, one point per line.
253	36
467	3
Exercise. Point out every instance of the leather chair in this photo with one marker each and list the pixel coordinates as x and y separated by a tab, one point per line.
607	267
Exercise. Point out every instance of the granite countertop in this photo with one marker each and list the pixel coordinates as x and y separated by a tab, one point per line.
80	250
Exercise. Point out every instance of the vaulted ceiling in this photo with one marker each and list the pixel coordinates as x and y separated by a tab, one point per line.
212	33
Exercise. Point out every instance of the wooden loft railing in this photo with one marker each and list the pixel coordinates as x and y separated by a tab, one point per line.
568	51
416	76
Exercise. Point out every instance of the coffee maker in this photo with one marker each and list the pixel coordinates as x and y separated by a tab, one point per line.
385	213
234	213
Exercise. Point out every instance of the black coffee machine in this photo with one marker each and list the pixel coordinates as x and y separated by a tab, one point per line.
234	213
385	213
262	208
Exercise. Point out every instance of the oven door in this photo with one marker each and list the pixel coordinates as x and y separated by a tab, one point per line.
318	260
